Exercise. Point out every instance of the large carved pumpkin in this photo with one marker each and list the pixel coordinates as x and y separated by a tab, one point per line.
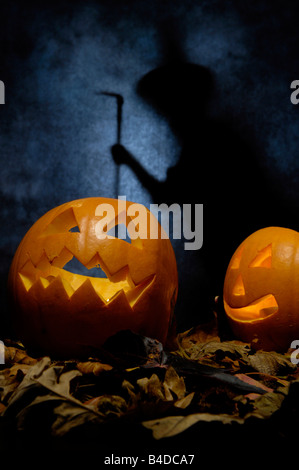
261	289
61	312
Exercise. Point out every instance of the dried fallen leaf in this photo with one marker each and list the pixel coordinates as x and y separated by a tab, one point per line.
108	404
126	385
47	383
2	408
204	371
173	425
173	383
10	379
271	363
199	334
93	367
69	415
185	401
152	387
15	355
264	406
219	350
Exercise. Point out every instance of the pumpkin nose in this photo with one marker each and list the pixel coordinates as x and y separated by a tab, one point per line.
238	288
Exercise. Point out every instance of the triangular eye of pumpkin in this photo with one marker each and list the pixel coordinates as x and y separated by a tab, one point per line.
238	288
263	259
66	221
237	259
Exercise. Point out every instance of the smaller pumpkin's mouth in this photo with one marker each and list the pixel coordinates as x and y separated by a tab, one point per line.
256	310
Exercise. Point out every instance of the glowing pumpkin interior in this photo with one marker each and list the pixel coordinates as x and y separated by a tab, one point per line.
70	286
261	307
261	288
104	283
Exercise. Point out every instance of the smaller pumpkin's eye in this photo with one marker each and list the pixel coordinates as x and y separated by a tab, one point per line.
263	259
238	288
237	259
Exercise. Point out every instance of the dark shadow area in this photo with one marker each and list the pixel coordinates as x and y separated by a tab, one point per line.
217	167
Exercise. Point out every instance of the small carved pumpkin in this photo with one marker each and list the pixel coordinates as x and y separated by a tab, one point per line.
261	289
65	313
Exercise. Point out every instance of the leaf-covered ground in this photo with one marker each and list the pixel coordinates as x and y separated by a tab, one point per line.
133	396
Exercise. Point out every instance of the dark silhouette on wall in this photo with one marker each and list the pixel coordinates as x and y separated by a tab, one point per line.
215	168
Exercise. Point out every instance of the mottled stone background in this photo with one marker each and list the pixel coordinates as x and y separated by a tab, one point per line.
233	132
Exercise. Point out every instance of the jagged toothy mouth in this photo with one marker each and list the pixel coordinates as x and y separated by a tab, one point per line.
256	310
48	272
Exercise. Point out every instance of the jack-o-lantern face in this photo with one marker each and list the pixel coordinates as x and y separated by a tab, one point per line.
261	289
61	312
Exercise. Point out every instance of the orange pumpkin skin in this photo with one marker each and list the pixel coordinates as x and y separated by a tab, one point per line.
60	313
261	289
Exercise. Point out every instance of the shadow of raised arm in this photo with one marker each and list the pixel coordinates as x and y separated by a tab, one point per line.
121	156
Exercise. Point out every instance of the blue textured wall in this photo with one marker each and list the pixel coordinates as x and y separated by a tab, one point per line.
234	121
